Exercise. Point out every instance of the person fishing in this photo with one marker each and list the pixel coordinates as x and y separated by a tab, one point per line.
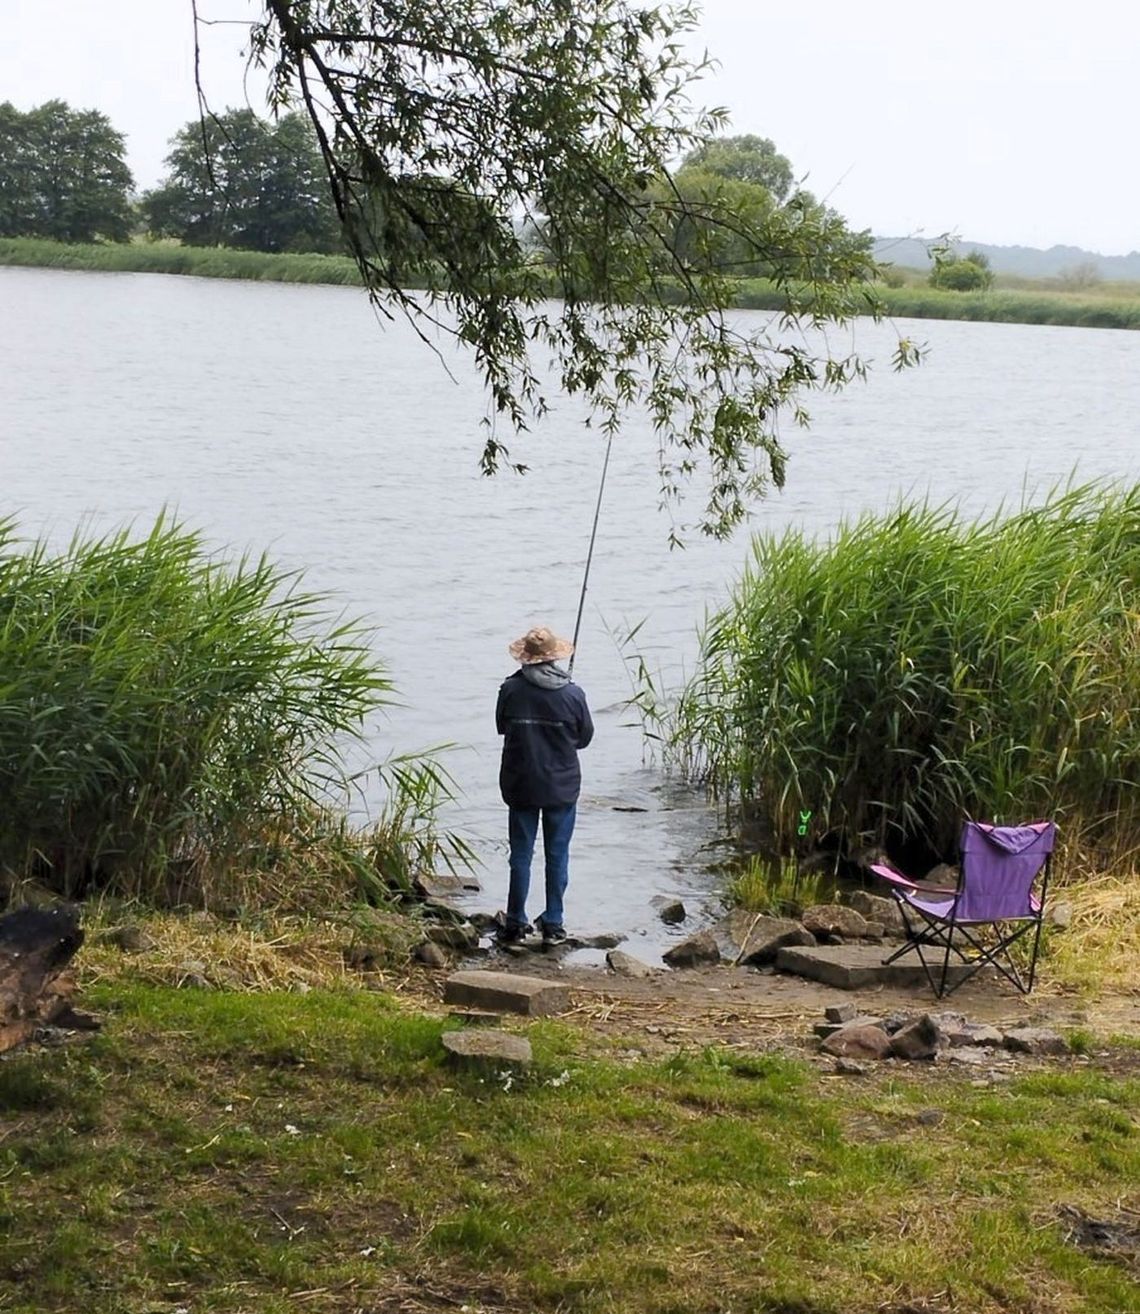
544	720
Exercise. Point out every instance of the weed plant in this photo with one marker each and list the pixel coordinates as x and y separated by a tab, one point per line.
162	711
919	669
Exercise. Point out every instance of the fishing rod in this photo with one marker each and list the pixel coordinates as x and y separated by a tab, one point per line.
590	552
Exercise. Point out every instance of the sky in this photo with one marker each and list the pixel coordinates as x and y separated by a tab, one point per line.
1011	122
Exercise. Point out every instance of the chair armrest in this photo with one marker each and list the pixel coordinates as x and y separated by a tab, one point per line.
897	878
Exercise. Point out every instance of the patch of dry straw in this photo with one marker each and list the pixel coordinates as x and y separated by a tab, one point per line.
359	950
1099	951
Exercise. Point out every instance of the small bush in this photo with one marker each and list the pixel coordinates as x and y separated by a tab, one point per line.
162	711
917	670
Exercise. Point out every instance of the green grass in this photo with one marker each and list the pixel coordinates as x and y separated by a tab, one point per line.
1116	307
272	1153
166	258
919	668
164	713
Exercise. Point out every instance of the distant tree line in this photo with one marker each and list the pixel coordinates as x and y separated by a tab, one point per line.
232	180
237	180
63	175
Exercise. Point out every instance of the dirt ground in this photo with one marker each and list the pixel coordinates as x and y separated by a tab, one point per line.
739	1007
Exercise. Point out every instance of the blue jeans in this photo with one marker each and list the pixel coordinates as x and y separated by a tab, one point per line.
557	827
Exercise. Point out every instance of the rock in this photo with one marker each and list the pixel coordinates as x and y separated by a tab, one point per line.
845	1067
504	992
840	1012
437	885
834	919
944	876
671	911
755	939
626	965
462	935
981	1033
192	975
130	939
1035	1040
970	1056
920	1040
896	1021
874	931
607	940
697	949
1060	915
485	1048
363	957
876	908
431	954
958	1033
825	1029
858	1042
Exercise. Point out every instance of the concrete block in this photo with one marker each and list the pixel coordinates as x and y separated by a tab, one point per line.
506	992
853	966
487	1048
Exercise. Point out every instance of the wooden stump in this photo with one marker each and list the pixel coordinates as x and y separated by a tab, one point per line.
36	946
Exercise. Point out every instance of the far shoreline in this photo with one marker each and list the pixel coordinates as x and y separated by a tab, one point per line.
998	305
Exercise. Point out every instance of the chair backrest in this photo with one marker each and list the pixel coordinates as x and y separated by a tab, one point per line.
999	866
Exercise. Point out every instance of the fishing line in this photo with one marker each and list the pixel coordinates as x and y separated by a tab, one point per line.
590	553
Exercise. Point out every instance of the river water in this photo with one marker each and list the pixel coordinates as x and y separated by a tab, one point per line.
289	419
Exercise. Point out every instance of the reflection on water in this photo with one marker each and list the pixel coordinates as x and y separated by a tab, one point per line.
286	418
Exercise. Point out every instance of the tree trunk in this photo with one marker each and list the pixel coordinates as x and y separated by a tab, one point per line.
36	945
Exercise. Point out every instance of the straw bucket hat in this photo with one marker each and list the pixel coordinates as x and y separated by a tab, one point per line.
540	645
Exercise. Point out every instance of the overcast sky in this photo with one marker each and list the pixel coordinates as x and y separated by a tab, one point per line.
1013	121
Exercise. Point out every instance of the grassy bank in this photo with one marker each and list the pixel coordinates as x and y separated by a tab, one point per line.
1012	306
278	1152
1113	306
166	258
919	669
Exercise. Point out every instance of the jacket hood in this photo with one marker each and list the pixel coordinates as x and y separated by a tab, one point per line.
545	675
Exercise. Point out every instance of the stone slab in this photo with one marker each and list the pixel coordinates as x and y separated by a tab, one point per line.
506	992
487	1047
854	966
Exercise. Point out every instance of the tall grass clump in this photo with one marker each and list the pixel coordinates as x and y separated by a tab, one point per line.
161	711
919	669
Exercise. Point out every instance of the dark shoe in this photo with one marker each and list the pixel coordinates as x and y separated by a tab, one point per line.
510	932
551	934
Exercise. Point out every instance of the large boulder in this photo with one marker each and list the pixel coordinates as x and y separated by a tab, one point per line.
697	949
837	919
624	964
755	939
876	908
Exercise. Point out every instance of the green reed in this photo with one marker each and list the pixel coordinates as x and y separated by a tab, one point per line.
918	669
161	710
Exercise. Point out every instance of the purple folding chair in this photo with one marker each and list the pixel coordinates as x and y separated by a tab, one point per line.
992	907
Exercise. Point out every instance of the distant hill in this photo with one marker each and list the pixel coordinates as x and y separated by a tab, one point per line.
1028	261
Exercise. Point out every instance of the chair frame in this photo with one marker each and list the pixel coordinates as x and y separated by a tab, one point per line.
939	932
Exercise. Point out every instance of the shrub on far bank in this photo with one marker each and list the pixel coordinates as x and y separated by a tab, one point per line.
161	711
920	669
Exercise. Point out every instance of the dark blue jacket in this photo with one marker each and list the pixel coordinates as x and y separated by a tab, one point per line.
542	731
